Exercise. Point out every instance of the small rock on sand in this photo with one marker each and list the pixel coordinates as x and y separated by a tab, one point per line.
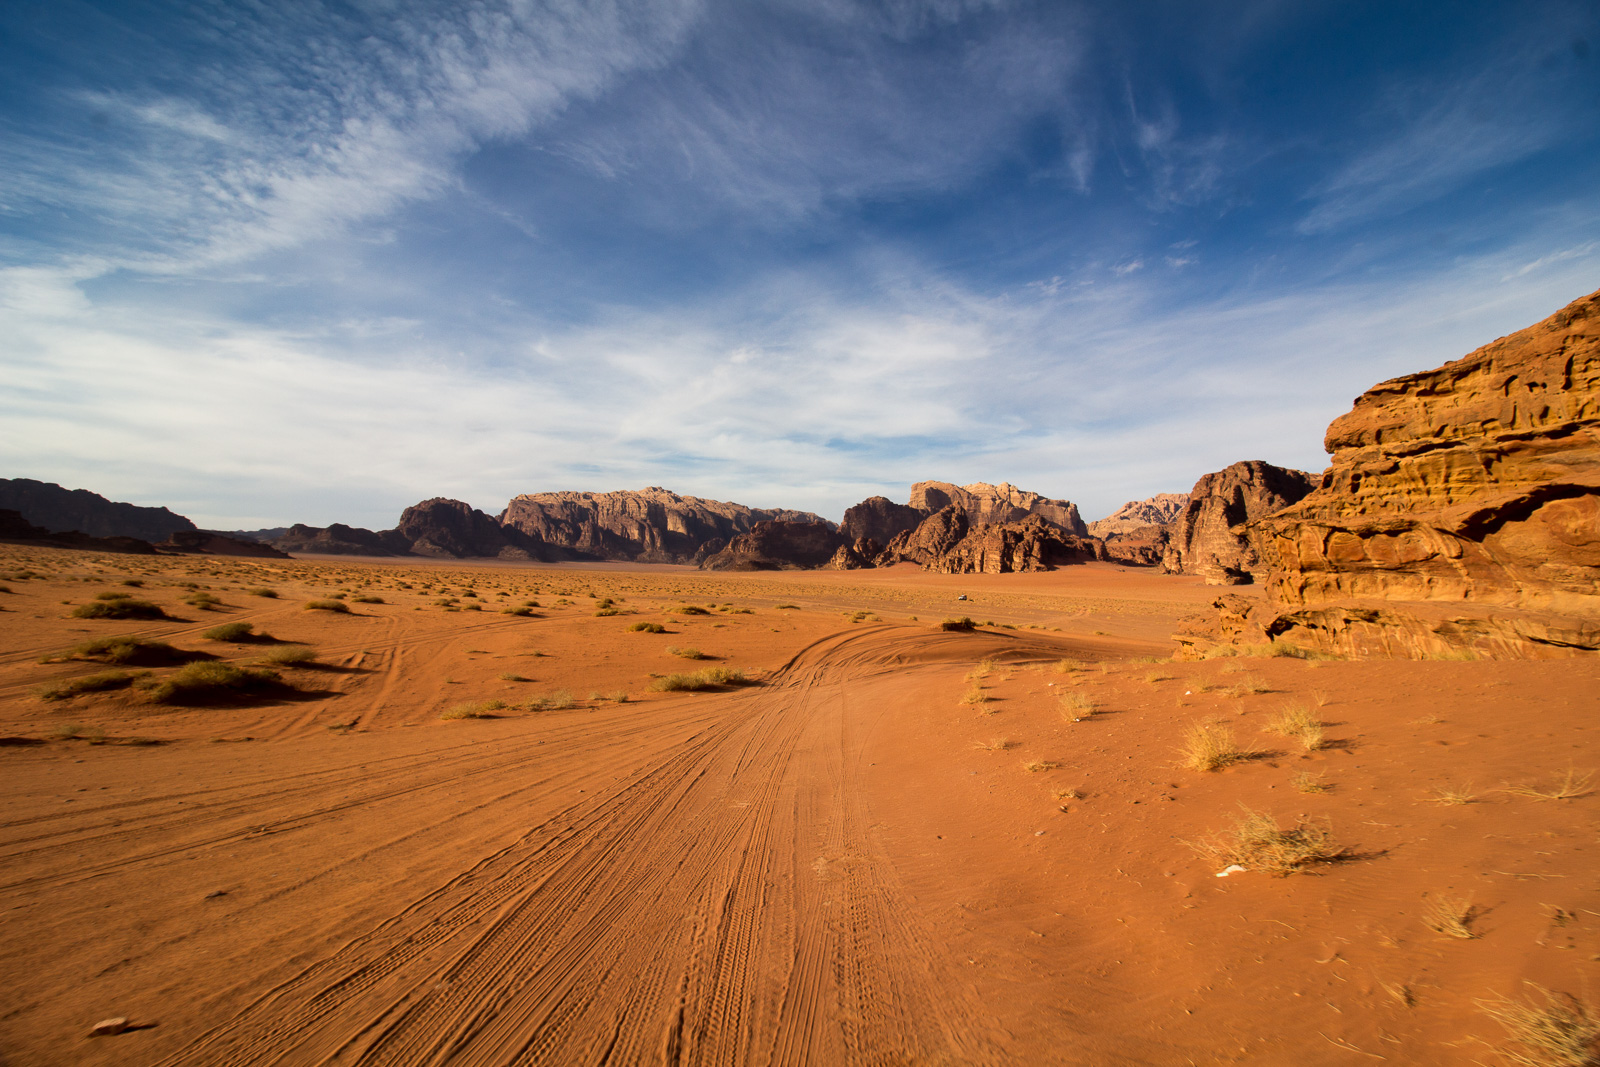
108	1027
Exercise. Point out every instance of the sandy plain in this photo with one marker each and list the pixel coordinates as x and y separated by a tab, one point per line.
899	845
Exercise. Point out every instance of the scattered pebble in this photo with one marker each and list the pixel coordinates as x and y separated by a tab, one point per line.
108	1027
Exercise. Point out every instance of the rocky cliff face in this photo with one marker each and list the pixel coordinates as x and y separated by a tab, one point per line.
987	504
771	546
1136	515
949	542
58	510
1208	537
879	518
13	527
454	530
1461	509
211	543
1142	546
338	540
650	526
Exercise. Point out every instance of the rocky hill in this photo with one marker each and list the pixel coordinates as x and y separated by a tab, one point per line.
1158	510
59	510
1461	509
653	525
950	542
778	546
987	504
1208	536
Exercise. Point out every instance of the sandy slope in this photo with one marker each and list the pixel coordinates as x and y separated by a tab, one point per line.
843	863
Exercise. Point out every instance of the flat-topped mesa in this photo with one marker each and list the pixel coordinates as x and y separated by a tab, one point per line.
1208	537
989	504
1461	509
653	525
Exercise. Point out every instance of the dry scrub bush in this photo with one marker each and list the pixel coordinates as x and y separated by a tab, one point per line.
1257	843
270	594
508	677
982	670
560	700
1248	686
647	628
1209	746
74	732
1067	794
710	678
483	709
975	696
287	656
1560	1032
1450	916
1306	782
366	600
119	609
210	680
1075	706
999	744
122	650
1297	722
94	683
686	653
689	609
1452	794
1570	787
1039	765
234	632
335	606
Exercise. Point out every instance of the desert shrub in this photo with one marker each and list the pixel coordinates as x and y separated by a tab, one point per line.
710	678
125	650
1297	722
514	678
523	612
336	606
109	595
686	653
134	583
203	601
1257	843
560	700
1209	746
230	631
1039	766
975	695
1450	916
689	609
482	709
647	628
1561	1032
270	594
72	731
94	683
961	625
1571	787
119	609
785	607
603	613
211	680
366	599
472	607
287	656
1077	706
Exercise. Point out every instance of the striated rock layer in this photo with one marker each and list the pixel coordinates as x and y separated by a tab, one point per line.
1461	509
987	504
1139	515
1208	537
950	542
653	525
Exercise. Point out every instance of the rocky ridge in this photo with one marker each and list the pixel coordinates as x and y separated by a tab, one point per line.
1461	510
1209	537
58	510
1138	515
778	545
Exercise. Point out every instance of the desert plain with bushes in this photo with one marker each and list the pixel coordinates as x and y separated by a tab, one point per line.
411	811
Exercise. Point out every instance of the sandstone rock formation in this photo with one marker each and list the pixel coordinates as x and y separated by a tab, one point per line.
858	555
879	518
1142	546
1461	510
338	540
771	546
987	504
1138	515
59	510
653	525
451	529
13	527
948	541
211	543
1208	537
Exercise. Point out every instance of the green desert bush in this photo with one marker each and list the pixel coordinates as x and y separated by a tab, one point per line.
211	681
127	650
689	609
94	683
336	606
647	628
122	608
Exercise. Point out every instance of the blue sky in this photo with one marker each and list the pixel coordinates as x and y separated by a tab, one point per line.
290	261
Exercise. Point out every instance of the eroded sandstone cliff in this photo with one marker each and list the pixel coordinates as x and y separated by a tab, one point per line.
1461	509
1139	515
770	546
1208	537
987	504
653	525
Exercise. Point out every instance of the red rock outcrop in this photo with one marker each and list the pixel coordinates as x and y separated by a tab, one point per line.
771	546
13	527
1142	546
653	525
337	539
987	504
452	529
879	518
1139	515
1208	537
1461	510
854	557
60	510
211	543
950	543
